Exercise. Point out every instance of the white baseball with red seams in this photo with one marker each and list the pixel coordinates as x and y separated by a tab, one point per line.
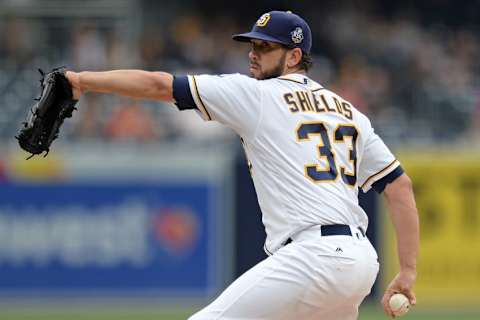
399	304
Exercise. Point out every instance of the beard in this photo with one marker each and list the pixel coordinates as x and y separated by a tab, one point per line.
275	72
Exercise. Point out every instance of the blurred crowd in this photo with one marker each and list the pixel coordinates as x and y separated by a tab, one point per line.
420	84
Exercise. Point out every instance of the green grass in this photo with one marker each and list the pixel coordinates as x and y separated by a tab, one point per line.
139	313
88	315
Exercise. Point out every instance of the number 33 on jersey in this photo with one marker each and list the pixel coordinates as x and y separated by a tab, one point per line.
306	130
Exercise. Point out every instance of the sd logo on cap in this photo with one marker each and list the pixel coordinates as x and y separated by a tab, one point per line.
263	20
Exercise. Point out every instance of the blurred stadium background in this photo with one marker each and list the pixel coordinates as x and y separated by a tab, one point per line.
142	212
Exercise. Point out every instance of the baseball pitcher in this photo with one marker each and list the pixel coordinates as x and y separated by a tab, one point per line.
309	151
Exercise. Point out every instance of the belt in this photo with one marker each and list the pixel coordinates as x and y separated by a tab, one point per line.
334	230
337	230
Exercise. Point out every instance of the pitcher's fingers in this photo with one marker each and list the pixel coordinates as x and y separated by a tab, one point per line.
386	305
411	297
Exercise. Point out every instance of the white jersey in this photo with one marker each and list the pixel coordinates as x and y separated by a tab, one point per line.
308	149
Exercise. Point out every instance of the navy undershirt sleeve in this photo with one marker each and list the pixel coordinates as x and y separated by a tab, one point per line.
182	93
380	185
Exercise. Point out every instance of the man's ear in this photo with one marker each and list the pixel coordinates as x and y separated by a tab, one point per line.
294	57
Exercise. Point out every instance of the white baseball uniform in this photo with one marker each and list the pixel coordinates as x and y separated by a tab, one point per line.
309	150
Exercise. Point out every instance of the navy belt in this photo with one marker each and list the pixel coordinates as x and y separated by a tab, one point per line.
334	230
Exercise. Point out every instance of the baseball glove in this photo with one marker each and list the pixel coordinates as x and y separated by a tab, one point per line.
46	117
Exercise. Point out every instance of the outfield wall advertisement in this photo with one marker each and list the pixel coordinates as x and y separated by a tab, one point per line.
126	235
447	188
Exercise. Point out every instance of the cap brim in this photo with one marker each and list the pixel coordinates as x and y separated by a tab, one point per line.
246	37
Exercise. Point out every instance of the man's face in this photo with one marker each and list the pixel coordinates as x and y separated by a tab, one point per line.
267	59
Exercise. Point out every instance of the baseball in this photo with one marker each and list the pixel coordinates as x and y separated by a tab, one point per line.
399	304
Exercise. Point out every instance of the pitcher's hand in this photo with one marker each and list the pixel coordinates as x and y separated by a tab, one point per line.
74	79
402	283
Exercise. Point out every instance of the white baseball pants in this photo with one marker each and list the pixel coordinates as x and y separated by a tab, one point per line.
314	277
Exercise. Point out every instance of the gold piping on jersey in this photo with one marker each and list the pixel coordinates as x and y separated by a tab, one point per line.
293	80
266	250
301	82
378	173
202	105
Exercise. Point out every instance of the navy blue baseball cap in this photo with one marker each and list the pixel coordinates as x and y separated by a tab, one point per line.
282	27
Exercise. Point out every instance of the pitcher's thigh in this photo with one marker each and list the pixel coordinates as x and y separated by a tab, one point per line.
272	289
349	280
296	283
347	291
